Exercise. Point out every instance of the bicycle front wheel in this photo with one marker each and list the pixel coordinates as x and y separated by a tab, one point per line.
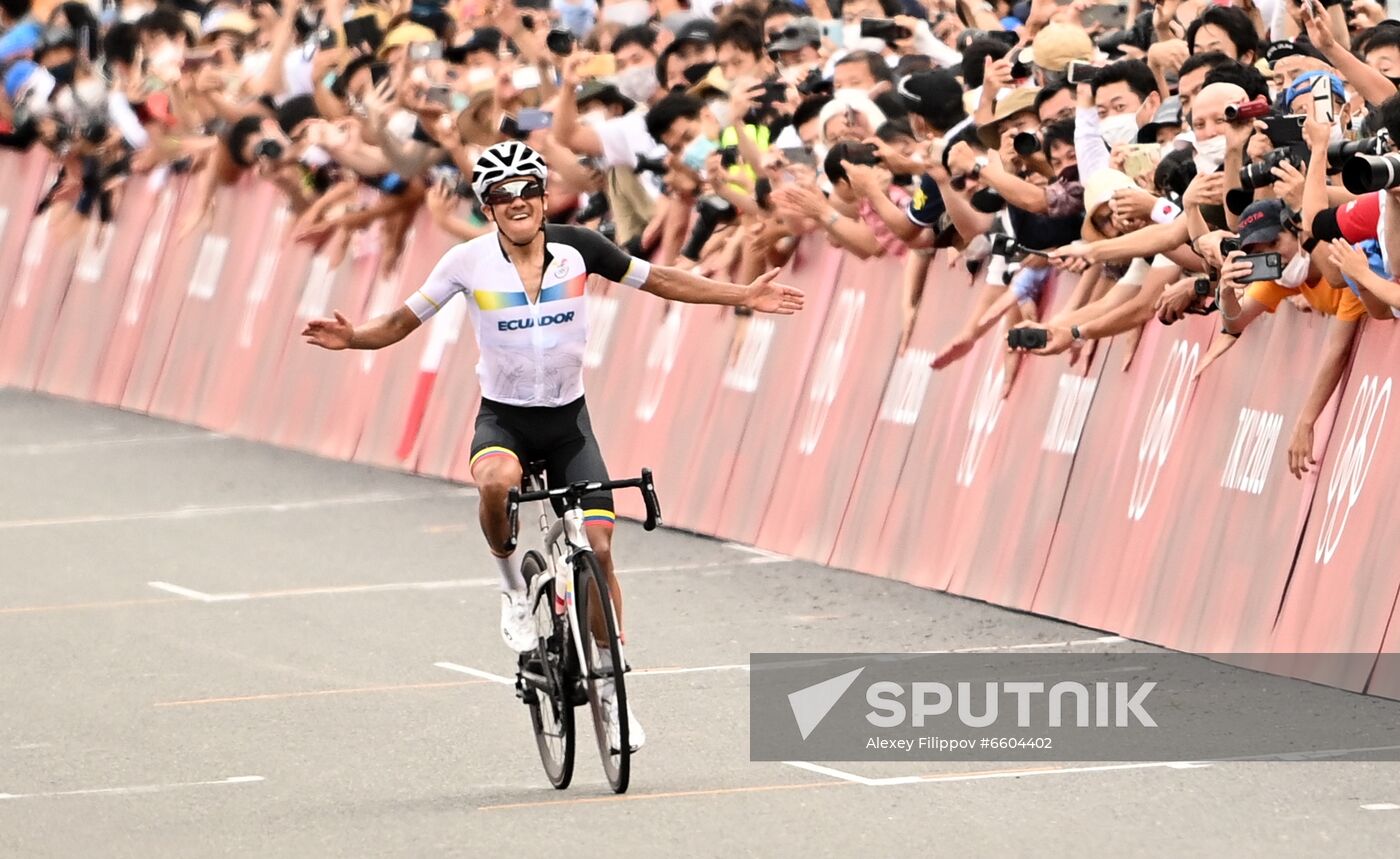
598	632
548	677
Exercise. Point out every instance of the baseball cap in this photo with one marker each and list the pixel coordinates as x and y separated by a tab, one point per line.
227	21
407	34
605	92
1168	114
1283	49
1304	83
1099	188
27	75
1260	222
1056	44
798	34
1014	102
927	94
700	31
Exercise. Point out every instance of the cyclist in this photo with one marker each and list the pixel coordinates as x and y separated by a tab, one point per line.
524	287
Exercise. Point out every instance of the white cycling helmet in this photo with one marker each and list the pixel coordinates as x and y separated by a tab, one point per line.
509	159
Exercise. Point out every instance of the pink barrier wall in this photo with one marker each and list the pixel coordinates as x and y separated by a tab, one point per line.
1139	500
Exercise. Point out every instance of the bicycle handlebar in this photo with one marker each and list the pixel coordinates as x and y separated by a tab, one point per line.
572	496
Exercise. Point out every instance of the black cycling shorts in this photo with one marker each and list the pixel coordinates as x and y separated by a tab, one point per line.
560	436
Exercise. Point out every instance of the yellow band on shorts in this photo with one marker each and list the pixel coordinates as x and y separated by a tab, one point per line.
493	450
599	517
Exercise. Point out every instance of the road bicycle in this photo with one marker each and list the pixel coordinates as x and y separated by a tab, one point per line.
578	653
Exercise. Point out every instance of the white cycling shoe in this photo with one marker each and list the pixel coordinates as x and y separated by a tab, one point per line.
517	624
636	737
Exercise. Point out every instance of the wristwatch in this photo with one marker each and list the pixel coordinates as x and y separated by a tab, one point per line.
978	166
832	219
1074	332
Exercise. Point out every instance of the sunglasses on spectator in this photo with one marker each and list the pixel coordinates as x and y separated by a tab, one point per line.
524	189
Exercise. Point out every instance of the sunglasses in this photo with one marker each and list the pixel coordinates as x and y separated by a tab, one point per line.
524	189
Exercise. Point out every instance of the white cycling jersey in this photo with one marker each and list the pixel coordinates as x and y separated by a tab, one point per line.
531	353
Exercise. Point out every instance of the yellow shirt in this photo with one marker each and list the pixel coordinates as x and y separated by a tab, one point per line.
1323	296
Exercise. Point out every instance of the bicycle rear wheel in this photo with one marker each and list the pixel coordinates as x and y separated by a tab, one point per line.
594	598
551	712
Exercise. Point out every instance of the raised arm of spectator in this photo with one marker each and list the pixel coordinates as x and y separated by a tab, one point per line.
1330	365
1089	146
1368	81
1147	242
1017	191
567	129
272	80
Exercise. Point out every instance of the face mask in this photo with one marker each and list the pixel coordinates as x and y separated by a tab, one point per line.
719	109
315	157
480	76
853	91
1210	154
460	100
167	55
638	83
1296	272
628	13
1122	128
1334	134
851	40
697	151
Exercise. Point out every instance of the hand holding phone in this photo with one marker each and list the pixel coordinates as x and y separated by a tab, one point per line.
599	66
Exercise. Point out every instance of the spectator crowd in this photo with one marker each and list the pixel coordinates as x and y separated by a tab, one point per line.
1150	161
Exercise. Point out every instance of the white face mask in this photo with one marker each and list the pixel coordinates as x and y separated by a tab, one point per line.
1122	128
1210	154
480	76
315	157
1334	134
720	109
638	83
1296	272
628	13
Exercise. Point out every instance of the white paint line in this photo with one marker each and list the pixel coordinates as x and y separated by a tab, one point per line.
1031	773
182	592
79	444
196	512
1380	806
1035	645
754	550
655	671
386	587
475	672
833	772
144	788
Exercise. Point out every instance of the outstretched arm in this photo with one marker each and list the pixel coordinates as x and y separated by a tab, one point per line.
762	295
377	333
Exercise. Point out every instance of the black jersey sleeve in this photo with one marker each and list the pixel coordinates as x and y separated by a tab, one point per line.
602	257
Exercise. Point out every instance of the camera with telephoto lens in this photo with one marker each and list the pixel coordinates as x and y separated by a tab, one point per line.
269	149
1363	174
650	165
815	84
1021	64
1344	150
1027	338
560	42
1026	143
1006	246
710	211
1260	173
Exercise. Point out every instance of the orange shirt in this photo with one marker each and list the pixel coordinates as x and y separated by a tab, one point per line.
1323	296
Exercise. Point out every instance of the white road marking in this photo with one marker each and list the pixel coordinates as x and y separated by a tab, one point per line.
994	774
79	444
754	550
1035	645
182	592
385	587
475	672
196	512
697	669
1380	806
144	788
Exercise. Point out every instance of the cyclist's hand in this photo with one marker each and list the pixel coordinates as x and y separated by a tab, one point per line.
766	296
329	333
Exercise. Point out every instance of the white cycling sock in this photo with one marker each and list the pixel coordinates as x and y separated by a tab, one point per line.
511	577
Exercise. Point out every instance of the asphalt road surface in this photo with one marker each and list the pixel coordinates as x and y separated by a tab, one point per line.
213	648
